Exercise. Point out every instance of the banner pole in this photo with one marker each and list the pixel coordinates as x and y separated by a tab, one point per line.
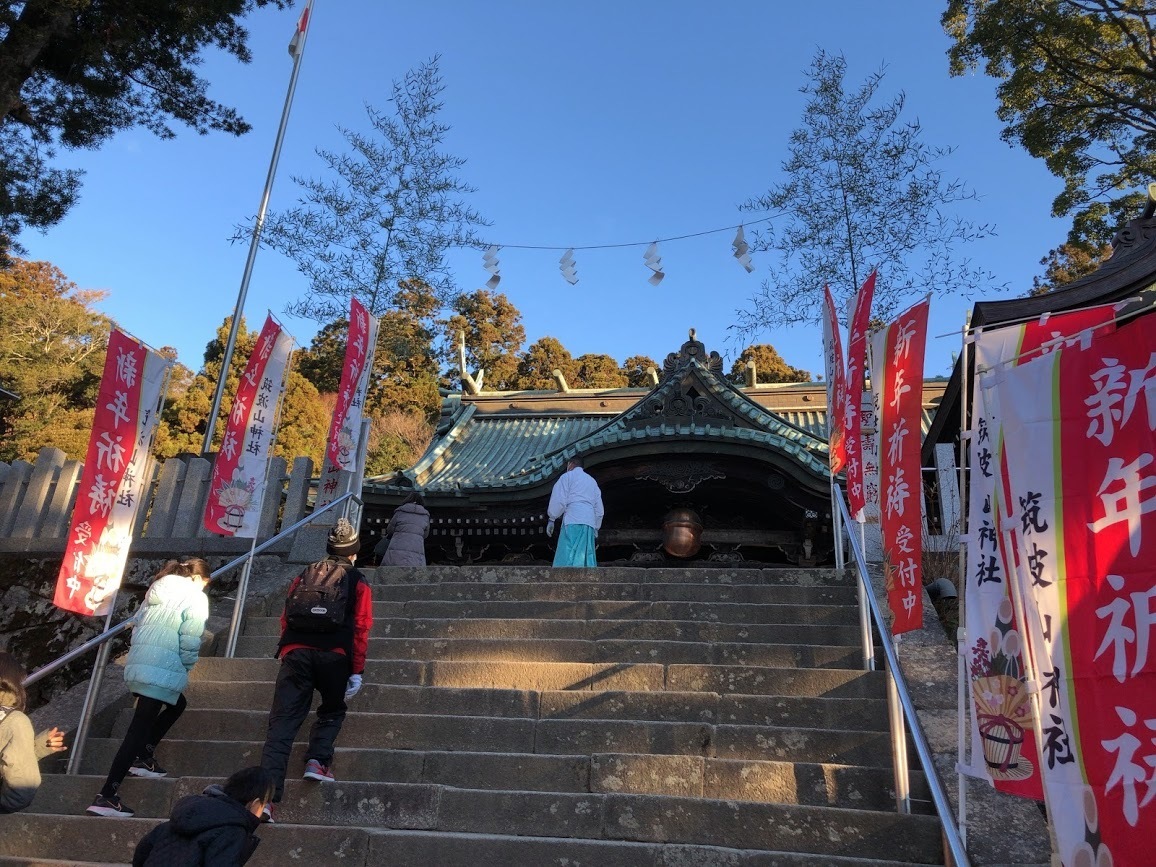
94	684
962	692
243	583
297	49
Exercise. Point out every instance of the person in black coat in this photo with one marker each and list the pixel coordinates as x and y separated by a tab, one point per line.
213	829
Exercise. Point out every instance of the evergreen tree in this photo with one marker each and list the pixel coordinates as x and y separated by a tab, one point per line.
862	190
74	72
52	352
636	370
494	337
391	210
598	371
537	365
769	366
1077	86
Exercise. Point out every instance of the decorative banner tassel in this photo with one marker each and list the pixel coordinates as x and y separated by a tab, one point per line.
568	268
654	263
490	263
742	251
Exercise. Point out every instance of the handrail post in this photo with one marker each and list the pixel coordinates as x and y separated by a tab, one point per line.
897	687
898	743
82	727
239	603
866	637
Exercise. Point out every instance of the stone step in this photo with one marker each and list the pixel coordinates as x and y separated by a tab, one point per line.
770	594
670	706
556	736
782	782
590	630
620	609
546	676
510	574
606	651
589	816
285	843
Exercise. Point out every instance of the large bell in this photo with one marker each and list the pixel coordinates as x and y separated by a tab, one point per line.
681	533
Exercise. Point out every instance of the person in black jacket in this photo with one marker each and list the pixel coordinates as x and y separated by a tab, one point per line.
213	829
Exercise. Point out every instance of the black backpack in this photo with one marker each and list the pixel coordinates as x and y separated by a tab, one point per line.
320	600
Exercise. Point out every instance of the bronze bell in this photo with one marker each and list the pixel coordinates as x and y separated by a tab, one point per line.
681	533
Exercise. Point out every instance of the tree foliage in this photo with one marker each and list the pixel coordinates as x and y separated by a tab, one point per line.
390	210
494	337
1077	89
52	348
598	371
74	72
537	365
769	366
1066	263
636	370
862	190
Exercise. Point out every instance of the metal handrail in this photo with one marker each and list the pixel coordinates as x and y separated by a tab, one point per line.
96	641
100	642
922	749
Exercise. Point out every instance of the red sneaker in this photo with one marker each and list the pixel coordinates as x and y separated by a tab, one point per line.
314	770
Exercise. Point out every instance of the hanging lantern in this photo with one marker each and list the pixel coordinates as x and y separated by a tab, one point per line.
490	263
654	263
742	251
568	268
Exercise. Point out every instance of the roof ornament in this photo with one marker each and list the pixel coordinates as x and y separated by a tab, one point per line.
470	384
693	350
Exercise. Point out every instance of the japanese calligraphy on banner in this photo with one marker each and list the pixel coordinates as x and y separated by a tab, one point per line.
342	444
1002	734
897	380
1078	435
345	438
853	396
237	486
123	424
836	383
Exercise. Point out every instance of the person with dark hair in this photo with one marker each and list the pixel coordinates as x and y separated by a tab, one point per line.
577	500
213	829
403	542
324	639
20	748
166	643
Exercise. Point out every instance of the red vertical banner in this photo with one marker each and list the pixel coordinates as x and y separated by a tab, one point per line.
836	385
853	398
108	497
897	376
236	488
341	440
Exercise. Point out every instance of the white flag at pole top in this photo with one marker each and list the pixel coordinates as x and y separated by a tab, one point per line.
297	43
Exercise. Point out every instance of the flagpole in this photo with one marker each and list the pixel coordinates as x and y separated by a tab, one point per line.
297	49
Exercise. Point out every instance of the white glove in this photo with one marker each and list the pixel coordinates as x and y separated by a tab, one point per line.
550	527
353	687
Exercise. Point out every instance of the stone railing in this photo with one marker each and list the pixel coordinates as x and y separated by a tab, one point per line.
36	501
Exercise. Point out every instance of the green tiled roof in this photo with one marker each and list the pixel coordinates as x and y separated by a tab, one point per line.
495	451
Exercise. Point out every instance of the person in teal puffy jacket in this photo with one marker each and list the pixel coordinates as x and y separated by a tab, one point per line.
165	645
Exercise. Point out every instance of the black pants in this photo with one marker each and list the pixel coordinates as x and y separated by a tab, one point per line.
151	721
303	671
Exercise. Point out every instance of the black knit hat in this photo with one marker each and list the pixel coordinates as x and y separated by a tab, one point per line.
343	540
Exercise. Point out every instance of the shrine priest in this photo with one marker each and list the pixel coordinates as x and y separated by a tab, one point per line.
577	500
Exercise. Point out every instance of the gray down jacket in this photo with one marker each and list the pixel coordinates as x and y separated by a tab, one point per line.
406	532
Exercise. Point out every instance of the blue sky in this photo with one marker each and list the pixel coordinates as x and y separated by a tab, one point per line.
583	124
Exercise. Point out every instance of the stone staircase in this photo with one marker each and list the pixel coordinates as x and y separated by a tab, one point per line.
527	716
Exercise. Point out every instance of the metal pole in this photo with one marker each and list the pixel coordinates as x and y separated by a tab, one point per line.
239	602
963	697
94	684
255	241
837	528
962	723
898	741
865	634
358	479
